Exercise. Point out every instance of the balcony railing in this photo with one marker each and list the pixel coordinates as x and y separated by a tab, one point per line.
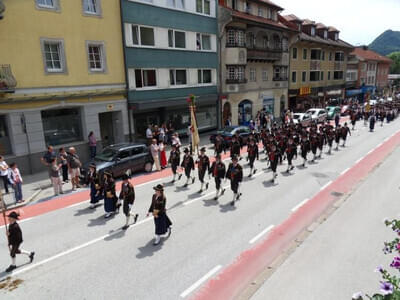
267	54
236	81
235	45
339	66
7	80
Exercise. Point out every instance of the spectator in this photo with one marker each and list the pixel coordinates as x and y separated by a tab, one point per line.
92	144
163	156
162	135
47	158
149	135
4	173
74	165
63	158
176	141
55	177
337	119
154	149
156	134
16	181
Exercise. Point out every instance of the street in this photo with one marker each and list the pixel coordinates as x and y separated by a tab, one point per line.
81	255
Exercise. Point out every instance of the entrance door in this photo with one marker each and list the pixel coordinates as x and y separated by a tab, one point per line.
106	128
245	112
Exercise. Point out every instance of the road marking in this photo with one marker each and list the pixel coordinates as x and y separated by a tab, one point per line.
74	249
379	145
300	205
325	186
79	203
258	236
200	281
202	197
388	138
360	159
344	171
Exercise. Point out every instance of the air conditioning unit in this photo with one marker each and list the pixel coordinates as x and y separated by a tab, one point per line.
233	88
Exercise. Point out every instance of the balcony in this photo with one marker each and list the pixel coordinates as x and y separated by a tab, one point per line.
263	54
236	80
7	80
281	78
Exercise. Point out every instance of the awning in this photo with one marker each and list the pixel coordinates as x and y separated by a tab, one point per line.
350	93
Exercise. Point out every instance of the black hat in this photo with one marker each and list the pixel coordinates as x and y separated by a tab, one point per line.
159	187
186	150
125	177
92	166
203	149
234	158
13	215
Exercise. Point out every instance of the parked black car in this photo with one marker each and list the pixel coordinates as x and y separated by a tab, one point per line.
122	158
228	132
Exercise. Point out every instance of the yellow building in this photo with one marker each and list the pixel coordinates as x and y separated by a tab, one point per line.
318	64
61	76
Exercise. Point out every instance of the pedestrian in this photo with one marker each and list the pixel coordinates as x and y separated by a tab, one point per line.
110	196
163	155
305	148
218	172
203	167
219	144
338	136
235	147
253	154
92	144
63	156
274	157
93	180
337	119
235	175
314	145
154	150
345	131
4	173
353	118
176	141
55	177
174	160
47	158
15	240
188	165
74	165
158	209
291	151
372	120
127	195
149	134
15	178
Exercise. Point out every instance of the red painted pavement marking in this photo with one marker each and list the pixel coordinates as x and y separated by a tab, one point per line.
237	276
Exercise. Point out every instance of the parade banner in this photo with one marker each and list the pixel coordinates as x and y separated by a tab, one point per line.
193	122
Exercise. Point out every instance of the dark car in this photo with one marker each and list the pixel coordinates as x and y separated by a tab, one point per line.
228	132
122	158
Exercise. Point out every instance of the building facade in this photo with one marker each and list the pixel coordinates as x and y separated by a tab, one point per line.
58	82
168	61
254	59
318	64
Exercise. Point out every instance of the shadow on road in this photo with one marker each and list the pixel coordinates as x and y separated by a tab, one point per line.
269	183
99	221
149	249
115	234
227	208
85	211
210	202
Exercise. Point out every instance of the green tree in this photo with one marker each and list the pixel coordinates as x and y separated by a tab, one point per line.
395	68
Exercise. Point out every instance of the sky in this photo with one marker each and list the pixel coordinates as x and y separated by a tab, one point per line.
359	21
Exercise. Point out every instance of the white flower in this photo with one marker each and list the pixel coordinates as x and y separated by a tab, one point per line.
357	296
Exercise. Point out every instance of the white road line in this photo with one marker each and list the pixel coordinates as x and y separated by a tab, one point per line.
258	236
61	254
388	138
370	151
200	281
77	204
360	159
300	205
325	186
379	145
344	171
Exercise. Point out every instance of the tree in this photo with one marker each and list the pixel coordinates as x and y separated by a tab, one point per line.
395	68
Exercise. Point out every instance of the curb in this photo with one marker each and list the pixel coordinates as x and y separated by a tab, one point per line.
26	202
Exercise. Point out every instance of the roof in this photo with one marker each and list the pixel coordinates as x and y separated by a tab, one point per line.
258	19
308	22
332	29
293	18
317	39
366	54
321	26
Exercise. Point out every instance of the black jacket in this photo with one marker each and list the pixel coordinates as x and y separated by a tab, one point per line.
15	234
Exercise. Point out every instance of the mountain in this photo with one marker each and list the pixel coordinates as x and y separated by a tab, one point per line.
388	42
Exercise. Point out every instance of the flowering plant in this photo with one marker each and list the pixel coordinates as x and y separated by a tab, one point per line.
390	284
191	100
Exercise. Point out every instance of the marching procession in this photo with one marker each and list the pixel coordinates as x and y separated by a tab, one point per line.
279	143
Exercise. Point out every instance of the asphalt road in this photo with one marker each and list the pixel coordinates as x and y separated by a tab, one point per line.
81	255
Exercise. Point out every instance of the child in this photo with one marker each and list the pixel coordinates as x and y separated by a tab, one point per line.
163	156
16	182
15	240
55	177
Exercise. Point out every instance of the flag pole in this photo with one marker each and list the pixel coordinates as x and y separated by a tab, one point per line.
3	210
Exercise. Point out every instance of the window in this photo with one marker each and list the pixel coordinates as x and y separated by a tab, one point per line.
313	31
325	34
338	75
304	76
336	36
96	57
203	7
294	53
323	55
277	73
61	126
124	154
304	54
145	78
203	41
142	36
280	73
53	55
265	42
315	54
251	40
314	75
138	150
322	75
260	12
294	75
329	75
177	77
247	7
176	3
47	4
330	56
176	39
204	76
235	73
234	4
264	75
91	7
339	56
5	146
253	76
285	44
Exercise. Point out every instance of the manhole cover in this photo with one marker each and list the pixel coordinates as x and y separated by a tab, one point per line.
336	194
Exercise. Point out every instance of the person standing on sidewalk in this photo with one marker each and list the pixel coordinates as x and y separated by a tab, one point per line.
16	181
149	134
92	144
127	194
154	150
74	165
55	177
4	173
63	158
163	155
47	158
14	235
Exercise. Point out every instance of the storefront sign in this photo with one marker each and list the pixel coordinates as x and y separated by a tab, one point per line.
334	92
305	90
110	107
320	94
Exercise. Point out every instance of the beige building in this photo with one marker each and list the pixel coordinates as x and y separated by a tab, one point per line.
254	59
318	64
